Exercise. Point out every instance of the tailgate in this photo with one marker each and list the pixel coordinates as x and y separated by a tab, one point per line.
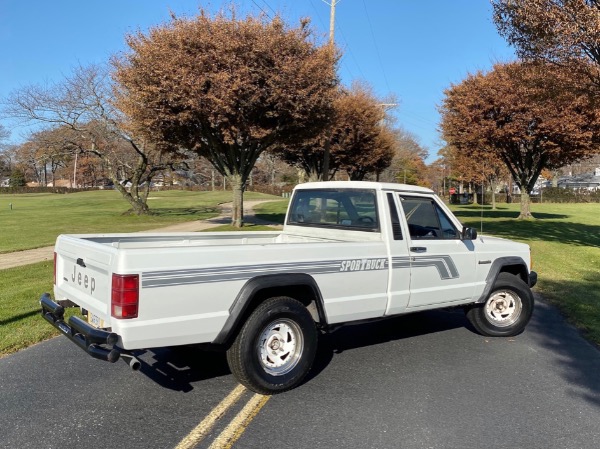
83	275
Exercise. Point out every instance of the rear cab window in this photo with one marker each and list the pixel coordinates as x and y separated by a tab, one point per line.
339	209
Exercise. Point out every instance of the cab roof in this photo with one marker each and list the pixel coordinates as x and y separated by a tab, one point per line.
363	185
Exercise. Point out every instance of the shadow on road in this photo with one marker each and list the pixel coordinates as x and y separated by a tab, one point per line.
382	331
178	368
577	360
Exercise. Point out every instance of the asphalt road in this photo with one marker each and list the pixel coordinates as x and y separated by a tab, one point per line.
419	381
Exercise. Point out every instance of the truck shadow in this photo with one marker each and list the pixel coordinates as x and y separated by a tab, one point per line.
180	368
402	327
578	362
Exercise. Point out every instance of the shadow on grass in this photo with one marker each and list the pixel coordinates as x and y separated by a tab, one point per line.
197	212
500	212
505	224
272	218
14	319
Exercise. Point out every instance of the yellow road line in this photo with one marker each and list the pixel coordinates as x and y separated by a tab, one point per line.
236	428
202	429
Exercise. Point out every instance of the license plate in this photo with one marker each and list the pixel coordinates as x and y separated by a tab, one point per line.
95	320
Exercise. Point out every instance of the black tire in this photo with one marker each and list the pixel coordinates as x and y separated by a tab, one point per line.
275	348
507	309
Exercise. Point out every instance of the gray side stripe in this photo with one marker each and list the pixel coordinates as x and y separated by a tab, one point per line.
444	264
235	273
153	279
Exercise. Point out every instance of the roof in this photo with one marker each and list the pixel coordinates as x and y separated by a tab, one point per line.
588	179
363	185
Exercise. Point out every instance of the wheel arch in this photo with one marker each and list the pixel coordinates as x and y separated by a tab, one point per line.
512	264
299	286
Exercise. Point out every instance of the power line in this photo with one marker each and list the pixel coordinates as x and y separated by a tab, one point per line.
376	48
269	6
318	15
351	54
264	12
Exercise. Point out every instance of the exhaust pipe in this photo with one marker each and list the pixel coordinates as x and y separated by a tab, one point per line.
132	361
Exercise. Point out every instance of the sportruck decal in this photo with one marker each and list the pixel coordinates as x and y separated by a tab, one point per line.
153	279
364	264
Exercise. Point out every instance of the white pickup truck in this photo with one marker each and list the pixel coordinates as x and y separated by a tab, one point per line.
348	252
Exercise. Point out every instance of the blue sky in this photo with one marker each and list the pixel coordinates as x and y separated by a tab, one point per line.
409	48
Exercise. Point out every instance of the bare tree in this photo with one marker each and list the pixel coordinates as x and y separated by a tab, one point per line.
81	107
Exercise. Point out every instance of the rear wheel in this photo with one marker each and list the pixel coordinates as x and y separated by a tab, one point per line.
275	348
507	309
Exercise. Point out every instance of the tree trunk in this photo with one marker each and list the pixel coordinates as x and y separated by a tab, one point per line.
525	206
237	212
314	176
493	187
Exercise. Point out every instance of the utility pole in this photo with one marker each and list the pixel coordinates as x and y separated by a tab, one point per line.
332	19
326	150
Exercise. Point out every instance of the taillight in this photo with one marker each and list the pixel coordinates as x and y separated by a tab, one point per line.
54	267
125	296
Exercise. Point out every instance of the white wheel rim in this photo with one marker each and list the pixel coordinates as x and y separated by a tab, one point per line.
280	347
503	308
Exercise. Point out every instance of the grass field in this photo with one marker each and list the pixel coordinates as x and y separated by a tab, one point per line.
565	241
36	219
21	324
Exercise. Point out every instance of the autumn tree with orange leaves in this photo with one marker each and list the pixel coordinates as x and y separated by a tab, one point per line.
563	32
360	138
521	114
228	89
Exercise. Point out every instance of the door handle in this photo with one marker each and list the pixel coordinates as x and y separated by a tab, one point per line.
418	249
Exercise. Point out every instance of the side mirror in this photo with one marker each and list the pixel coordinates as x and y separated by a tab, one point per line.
469	233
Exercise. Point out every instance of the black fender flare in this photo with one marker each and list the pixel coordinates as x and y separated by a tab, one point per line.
244	300
497	268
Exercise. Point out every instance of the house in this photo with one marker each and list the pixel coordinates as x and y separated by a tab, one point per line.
586	181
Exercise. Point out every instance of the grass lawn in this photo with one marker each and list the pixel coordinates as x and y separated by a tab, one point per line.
37	219
21	324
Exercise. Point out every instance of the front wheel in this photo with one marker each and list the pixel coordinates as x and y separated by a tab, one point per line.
507	309
275	348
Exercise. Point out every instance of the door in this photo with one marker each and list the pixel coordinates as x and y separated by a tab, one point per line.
399	284
442	265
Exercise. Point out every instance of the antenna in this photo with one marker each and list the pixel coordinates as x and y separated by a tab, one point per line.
482	199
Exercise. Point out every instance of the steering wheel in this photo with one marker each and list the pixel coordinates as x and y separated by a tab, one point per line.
366	220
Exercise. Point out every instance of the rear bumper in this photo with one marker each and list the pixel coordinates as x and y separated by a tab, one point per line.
98	343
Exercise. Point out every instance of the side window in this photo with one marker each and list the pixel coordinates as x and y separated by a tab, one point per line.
426	220
345	209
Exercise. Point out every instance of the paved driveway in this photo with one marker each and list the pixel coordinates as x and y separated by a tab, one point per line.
418	381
